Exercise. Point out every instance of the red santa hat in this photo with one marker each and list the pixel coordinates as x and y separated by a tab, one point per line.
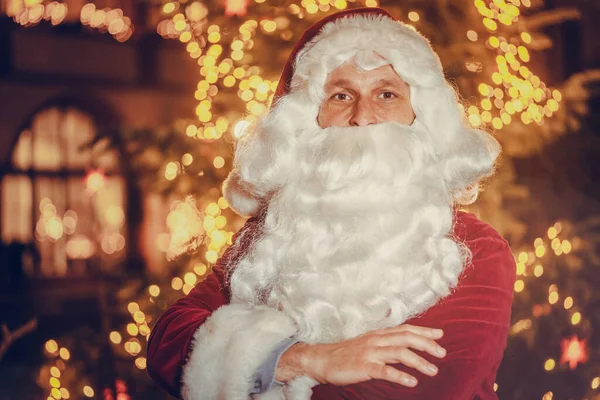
338	37
308	36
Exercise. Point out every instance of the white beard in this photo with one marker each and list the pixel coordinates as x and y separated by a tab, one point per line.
358	238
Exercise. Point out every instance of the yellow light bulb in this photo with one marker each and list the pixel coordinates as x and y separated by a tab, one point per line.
519	285
549	364
413	16
115	337
51	346
211	256
64	353
490	24
88	391
568	303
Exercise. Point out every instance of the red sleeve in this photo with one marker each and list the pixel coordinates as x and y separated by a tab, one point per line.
475	319
171	336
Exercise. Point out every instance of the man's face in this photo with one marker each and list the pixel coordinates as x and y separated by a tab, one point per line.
354	97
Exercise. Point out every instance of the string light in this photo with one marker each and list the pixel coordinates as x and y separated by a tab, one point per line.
531	100
58	356
111	20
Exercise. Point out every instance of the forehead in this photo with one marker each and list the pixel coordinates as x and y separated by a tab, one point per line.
350	74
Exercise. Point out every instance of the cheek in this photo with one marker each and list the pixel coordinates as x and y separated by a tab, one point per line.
402	114
332	116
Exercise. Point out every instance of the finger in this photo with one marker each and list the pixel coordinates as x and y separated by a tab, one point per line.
419	330
414	341
393	355
391	374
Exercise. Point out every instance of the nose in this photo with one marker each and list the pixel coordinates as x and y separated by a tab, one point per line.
363	113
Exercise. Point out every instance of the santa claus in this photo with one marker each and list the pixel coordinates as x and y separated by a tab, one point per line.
355	248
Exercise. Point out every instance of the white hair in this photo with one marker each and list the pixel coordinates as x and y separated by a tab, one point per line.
357	222
469	154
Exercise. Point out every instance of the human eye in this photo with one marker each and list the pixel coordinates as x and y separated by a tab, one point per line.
340	97
388	95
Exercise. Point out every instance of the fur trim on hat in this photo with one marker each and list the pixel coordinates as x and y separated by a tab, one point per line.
409	52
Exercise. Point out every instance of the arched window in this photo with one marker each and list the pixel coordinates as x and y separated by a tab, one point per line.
62	199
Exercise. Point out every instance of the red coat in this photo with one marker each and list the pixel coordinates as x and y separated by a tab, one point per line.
475	319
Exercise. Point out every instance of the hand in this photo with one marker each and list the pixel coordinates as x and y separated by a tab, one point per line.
364	358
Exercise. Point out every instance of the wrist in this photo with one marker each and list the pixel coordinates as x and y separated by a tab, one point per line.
293	363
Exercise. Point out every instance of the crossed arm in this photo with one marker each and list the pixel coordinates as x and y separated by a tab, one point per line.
475	320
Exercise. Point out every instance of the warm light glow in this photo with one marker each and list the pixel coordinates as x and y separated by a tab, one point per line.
576	318
88	391
56	393
187	159
574	351
190	278
490	24
540	251
139	317
520	326
133	307
269	26
133	347
64	353
222	202
51	346
568	303
154	290
176	283
187	289
115	337
169	8
94	181
140	362
219	162
413	16
144	330
472	35
220	222
200	269
211	256
519	285
191	130
213	209
132	329
171	171
550	364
